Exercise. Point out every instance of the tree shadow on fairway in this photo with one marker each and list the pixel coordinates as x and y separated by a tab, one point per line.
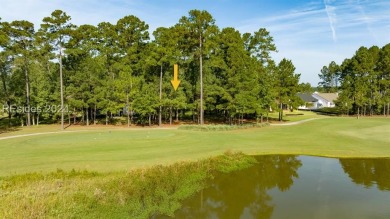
8	125
327	111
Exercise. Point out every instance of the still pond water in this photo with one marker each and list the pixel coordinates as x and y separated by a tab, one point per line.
297	187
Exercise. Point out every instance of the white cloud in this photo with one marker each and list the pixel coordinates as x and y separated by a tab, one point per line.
330	11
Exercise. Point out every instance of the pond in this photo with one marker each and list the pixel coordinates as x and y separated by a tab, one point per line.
297	187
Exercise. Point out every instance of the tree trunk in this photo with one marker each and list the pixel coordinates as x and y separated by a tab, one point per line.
388	109
8	102
193	116
74	116
94	115
131	115
127	108
83	116
128	118
201	81
33	119
38	119
27	94
150	119
364	110
358	112
160	107
87	110
371	111
177	115
281	112
106	118
21	120
279	115
91	114
170	115
9	114
62	92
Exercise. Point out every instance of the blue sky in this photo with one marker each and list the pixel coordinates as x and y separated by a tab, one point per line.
311	33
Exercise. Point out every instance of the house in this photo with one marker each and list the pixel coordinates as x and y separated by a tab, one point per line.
325	99
310	101
317	100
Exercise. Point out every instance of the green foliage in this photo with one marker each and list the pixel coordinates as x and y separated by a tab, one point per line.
140	193
329	77
287	86
364	82
112	70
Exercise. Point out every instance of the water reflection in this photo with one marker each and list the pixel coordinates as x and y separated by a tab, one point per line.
296	187
244	193
368	172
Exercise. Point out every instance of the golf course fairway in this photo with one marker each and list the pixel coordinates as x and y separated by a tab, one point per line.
113	149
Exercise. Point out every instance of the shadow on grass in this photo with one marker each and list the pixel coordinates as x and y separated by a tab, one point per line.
9	125
327	112
67	126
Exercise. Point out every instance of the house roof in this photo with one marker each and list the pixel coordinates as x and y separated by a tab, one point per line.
307	97
331	97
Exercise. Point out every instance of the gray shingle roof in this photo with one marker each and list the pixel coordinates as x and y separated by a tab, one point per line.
308	98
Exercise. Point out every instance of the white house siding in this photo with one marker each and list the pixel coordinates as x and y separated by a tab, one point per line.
322	102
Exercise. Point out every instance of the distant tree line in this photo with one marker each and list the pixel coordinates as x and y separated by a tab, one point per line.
363	82
85	74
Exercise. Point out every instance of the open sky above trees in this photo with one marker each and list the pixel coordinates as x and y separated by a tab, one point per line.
311	33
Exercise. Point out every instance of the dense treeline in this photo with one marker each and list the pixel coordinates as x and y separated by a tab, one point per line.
96	72
363	82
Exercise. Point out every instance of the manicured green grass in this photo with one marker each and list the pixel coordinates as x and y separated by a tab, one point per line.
105	150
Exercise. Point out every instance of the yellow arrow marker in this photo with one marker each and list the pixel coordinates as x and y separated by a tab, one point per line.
175	82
